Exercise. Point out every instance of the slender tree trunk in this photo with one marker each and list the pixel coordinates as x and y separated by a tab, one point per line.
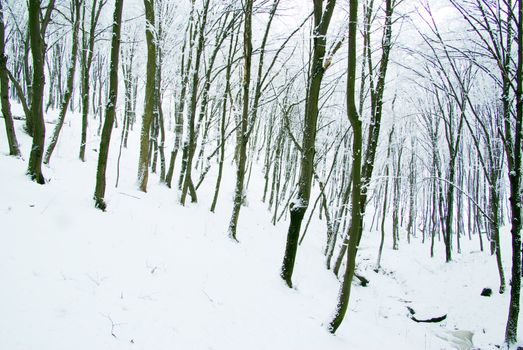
161	144
178	115
515	178
34	169
188	185
494	212
29	122
70	82
129	81
298	207
384	214
14	149
411	226
240	171
232	50
150	89
357	145
376	103
361	176
158	97
396	202
87	60
110	109
340	217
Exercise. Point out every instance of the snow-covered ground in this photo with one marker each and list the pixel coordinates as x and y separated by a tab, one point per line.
151	274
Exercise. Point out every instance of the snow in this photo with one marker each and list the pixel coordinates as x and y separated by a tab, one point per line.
152	274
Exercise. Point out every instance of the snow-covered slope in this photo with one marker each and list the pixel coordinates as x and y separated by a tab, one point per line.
151	274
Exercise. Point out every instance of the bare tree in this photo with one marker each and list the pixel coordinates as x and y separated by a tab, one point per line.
14	149
86	60
110	109
357	146
188	185
361	173
37	29
322	19
150	91
75	20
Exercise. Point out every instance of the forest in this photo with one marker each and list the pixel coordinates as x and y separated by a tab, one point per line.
263	174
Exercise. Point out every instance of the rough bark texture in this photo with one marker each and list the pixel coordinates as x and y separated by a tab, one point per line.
14	149
150	88
110	109
298	208
515	194
34	169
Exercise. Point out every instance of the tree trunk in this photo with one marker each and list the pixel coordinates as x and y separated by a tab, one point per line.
232	50
150	89
34	169
110	109
384	214
299	205
411	226
357	145
70	81
87	60
515	178
178	114
14	149
29	123
188	185
240	171
361	176
396	201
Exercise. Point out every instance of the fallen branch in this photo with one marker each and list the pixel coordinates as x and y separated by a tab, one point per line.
363	280
428	320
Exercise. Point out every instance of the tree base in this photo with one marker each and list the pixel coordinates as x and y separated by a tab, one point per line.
99	203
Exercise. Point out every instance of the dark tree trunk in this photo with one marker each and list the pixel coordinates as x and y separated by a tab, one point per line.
515	178
14	149
29	123
299	206
357	145
361	176
110	109
37	32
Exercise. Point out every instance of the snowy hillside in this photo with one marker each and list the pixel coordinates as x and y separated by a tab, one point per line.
151	274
